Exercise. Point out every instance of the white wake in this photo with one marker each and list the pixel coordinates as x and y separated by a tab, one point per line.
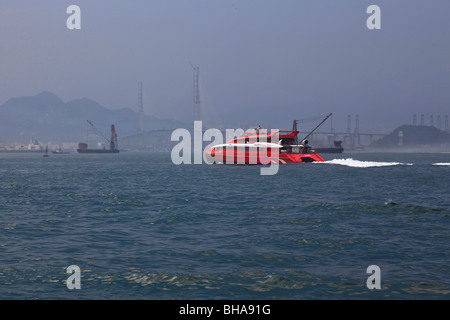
441	164
364	164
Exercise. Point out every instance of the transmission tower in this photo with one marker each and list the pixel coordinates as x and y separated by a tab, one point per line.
196	94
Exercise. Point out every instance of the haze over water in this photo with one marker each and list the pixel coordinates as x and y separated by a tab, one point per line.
261	62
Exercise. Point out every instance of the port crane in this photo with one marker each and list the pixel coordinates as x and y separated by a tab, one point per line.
113	144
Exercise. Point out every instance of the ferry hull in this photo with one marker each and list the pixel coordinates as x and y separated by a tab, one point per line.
258	157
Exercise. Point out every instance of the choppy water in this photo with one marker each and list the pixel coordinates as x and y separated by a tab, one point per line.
140	227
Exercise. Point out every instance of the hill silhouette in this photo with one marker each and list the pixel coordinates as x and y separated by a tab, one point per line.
414	136
46	117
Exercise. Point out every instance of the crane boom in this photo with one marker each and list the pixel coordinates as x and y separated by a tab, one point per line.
98	131
317	126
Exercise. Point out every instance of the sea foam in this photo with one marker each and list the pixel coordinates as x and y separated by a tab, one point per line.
364	164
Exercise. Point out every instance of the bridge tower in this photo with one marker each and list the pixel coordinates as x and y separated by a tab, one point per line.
140	107
349	130
357	136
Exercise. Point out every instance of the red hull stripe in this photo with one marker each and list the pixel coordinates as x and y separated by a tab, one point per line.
248	157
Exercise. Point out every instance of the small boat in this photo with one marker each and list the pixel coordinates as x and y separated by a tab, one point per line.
60	151
46	152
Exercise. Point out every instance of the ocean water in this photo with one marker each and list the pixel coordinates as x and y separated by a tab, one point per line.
140	227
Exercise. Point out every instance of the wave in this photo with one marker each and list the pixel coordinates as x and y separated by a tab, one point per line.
441	164
364	164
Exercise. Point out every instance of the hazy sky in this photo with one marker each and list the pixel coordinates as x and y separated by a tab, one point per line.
261	61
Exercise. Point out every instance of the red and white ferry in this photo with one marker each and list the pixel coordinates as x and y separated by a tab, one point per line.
259	147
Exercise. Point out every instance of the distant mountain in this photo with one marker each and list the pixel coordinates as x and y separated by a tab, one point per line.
46	117
414	136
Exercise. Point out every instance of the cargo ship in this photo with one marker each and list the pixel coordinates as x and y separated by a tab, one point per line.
33	147
113	144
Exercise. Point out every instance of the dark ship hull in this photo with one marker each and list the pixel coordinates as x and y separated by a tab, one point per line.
97	151
336	149
329	150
